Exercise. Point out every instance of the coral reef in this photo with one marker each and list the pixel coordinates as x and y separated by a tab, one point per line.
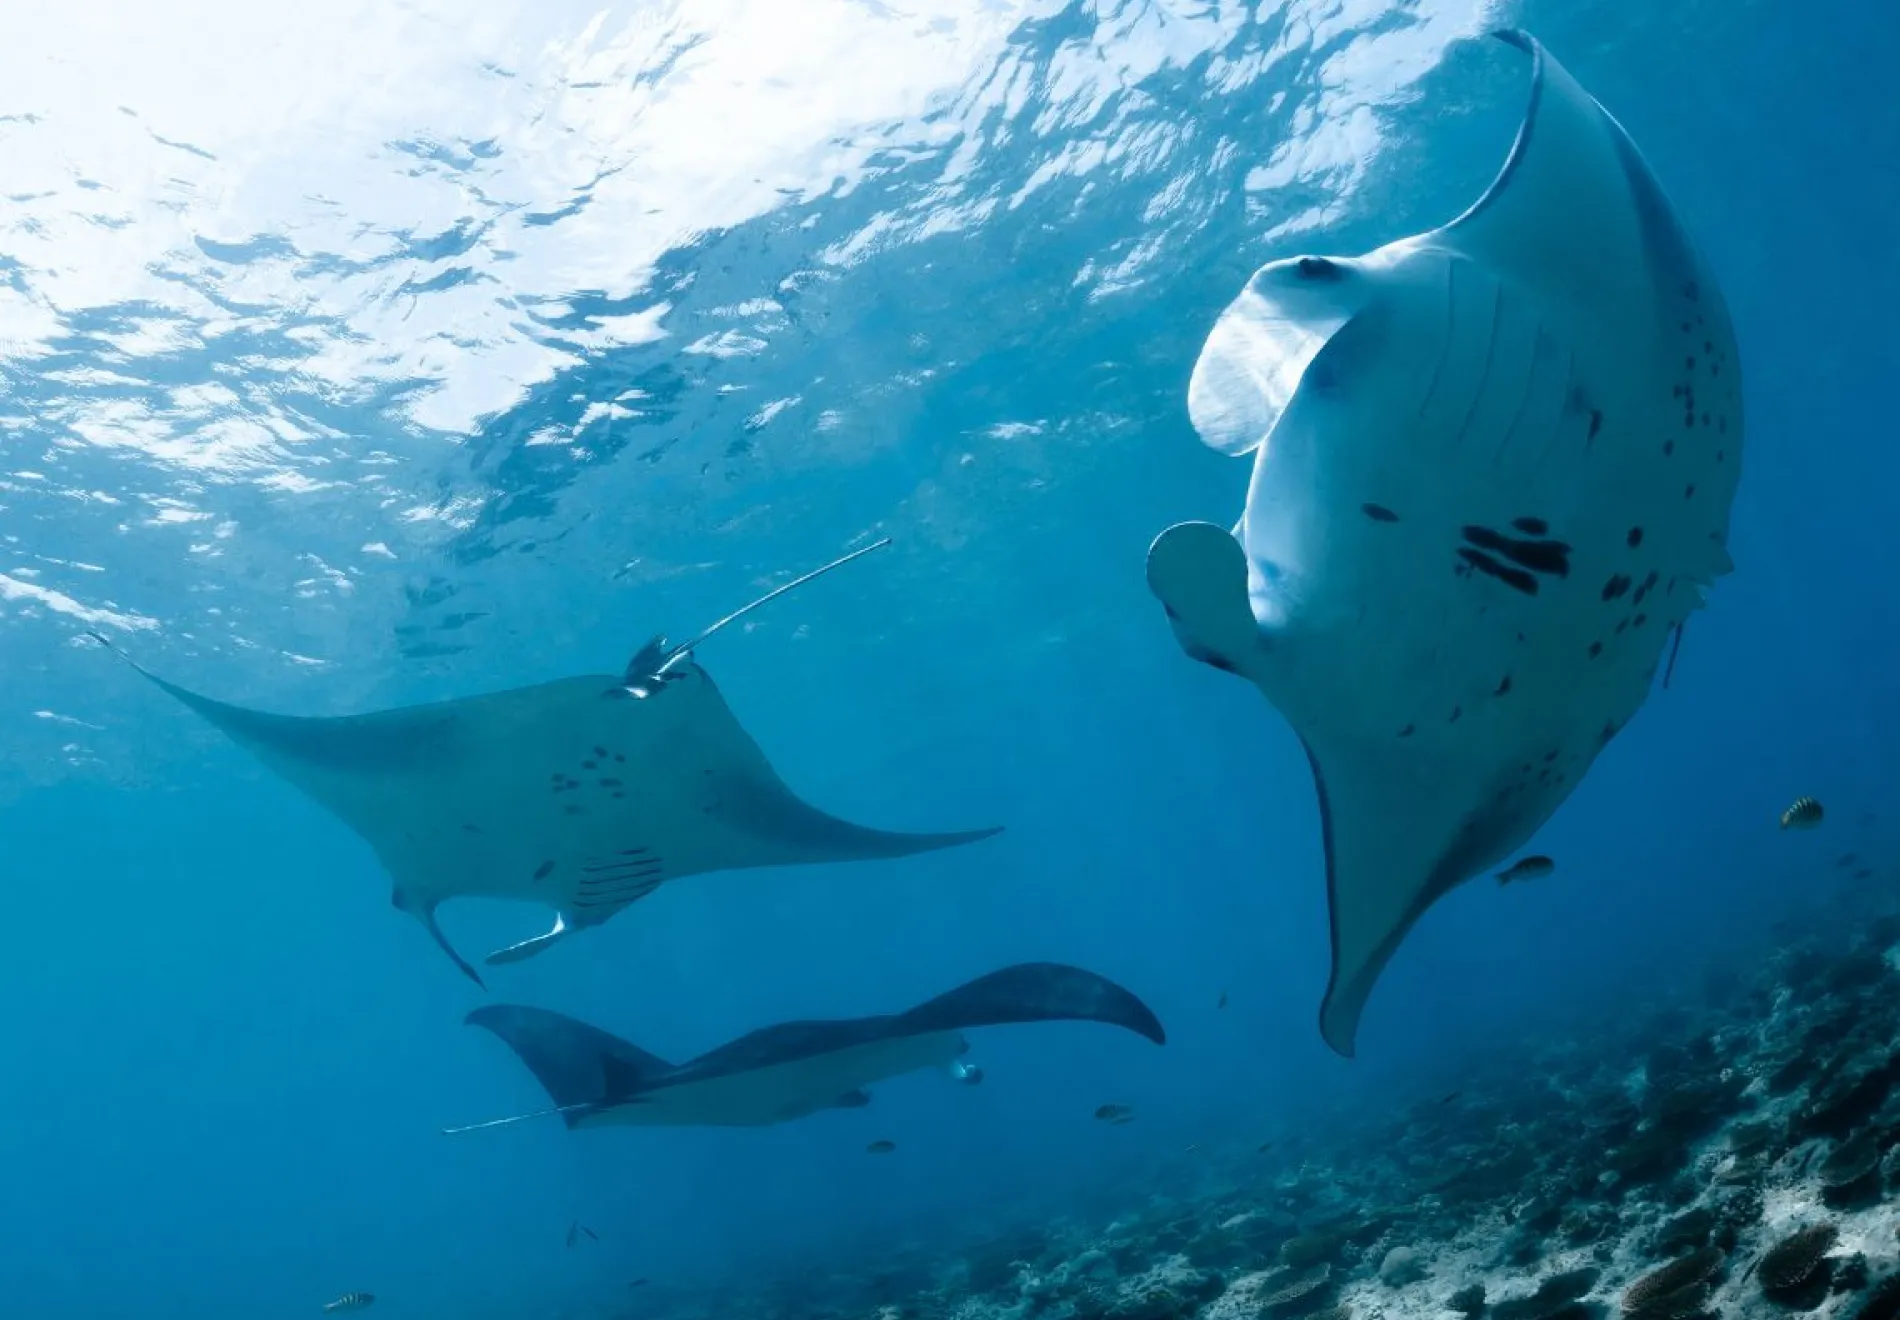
1731	1153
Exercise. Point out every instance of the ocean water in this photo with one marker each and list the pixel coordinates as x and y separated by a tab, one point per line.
354	355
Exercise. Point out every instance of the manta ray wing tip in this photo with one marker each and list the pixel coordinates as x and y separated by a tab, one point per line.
1341	1037
1513	36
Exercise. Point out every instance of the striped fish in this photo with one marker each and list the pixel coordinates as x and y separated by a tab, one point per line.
1805	814
351	1301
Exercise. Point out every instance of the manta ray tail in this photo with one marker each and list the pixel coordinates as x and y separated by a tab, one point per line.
289	744
657	657
580	1067
1034	992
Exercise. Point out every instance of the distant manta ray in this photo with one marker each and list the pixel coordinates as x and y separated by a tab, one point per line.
793	1069
584	793
1492	471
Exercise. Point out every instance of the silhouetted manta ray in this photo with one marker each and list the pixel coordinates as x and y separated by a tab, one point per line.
584	793
795	1068
1492	470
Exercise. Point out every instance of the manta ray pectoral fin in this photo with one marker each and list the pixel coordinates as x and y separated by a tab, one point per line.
583	1069
527	948
1575	209
1400	833
794	831
1199	573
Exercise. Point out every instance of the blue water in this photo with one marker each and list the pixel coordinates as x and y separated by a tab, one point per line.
355	354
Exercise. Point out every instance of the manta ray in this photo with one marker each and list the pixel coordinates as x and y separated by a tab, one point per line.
793	1069
1492	470
583	793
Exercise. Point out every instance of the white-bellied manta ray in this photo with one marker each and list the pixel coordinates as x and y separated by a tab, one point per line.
1492	470
583	793
787	1071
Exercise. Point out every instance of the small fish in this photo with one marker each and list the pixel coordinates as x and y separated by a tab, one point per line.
1115	1114
1192	1146
1450	1096
1805	814
640	1282
1527	868
1865	873
354	1301
1846	860
1223	1000
880	1148
1265	1146
575	1229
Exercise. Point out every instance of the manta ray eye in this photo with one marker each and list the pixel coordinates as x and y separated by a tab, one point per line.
1318	268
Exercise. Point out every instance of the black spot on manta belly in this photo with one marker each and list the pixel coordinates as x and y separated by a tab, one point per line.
1319	268
1378	513
1552	557
1515	578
